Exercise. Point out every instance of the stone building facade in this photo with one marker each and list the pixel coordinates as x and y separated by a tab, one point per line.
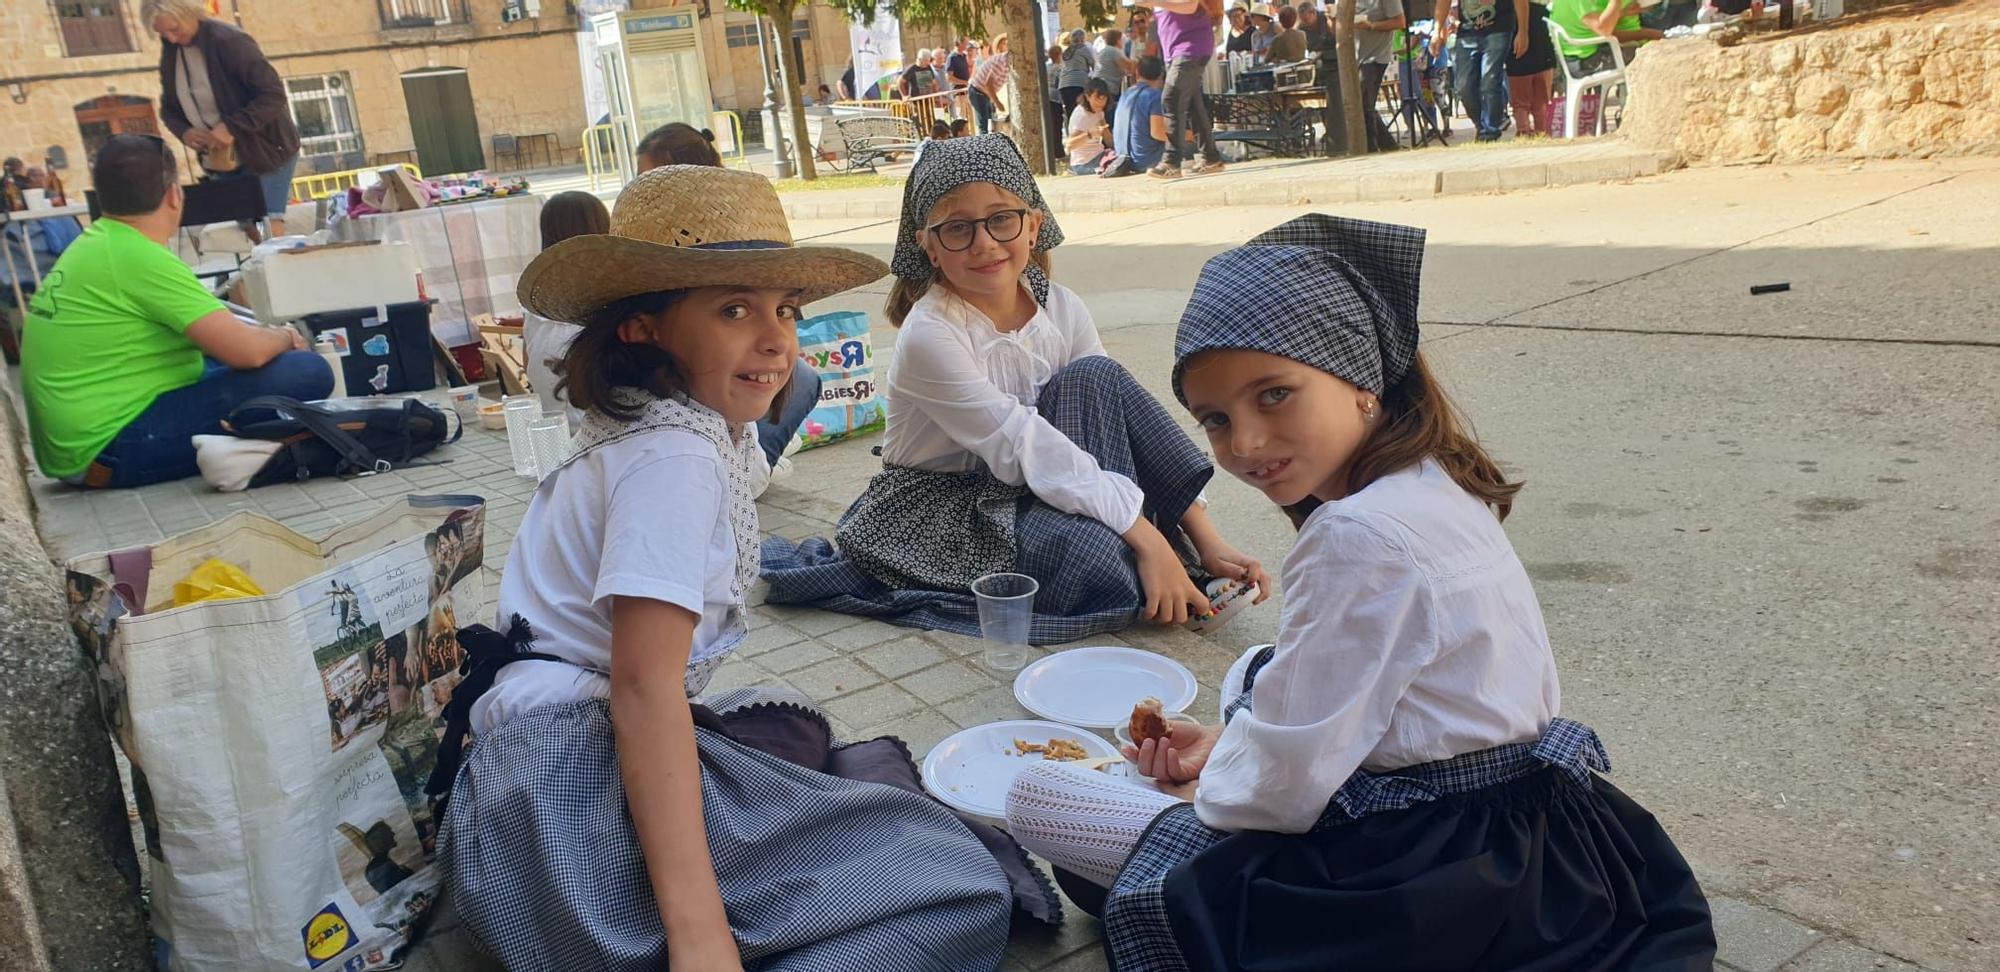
75	72
373	81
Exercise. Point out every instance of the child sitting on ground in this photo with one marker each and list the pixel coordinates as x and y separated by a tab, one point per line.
602	818
1394	787
1013	444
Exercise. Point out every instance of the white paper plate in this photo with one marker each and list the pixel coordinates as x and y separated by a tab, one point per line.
1097	687
971	771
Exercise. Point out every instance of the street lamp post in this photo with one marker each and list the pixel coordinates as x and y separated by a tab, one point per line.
781	163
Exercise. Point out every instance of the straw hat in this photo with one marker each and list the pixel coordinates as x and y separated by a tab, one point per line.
682	226
1265	10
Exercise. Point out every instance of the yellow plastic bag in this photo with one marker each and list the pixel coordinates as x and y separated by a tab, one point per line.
215	580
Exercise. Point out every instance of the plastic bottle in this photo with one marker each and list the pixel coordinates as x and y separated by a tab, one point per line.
328	353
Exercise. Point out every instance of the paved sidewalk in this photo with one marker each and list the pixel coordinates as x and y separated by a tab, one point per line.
1411	173
872	678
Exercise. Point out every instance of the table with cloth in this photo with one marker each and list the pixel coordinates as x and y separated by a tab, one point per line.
470	254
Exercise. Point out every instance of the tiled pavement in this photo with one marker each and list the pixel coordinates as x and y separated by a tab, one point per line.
872	678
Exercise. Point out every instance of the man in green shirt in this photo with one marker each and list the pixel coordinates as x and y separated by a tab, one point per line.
125	356
1590	19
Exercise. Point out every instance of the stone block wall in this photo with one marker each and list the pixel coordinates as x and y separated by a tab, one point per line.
69	877
1916	85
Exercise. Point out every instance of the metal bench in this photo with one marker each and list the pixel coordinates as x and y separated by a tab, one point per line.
1262	118
871	139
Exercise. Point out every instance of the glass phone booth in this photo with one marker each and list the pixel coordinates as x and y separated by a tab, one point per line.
655	72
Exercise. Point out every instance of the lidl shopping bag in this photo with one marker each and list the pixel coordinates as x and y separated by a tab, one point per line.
849	402
280	743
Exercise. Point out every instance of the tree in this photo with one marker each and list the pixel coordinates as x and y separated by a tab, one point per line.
780	13
1350	80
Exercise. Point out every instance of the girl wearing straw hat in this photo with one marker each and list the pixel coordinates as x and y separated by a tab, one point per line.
1394	788
602	818
1014	444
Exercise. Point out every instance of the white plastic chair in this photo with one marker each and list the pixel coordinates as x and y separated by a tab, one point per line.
1576	87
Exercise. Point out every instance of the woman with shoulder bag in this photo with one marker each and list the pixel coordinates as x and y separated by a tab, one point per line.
220	95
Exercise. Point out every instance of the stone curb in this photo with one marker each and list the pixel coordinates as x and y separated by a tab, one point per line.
1377	186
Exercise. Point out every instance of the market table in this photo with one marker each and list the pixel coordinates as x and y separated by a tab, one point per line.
470	253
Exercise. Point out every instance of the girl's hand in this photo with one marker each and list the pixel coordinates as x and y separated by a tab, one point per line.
1169	593
1223	560
1178	758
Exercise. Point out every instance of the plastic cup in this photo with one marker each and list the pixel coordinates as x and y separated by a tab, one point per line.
1006	607
550	436
521	411
465	401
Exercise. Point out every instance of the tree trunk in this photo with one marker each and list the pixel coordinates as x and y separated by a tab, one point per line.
789	70
1026	57
1353	99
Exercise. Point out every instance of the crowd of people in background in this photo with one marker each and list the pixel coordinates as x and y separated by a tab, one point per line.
1499	55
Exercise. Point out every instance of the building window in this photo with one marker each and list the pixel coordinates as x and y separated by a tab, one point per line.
323	108
745	35
93	27
422	13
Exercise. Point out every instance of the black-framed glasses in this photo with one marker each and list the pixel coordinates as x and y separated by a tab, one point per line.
958	234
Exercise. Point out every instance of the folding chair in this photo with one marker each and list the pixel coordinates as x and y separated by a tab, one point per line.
1575	87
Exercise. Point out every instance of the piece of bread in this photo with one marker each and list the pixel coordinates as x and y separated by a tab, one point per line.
1148	721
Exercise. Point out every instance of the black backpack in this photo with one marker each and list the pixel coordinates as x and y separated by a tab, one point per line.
341	437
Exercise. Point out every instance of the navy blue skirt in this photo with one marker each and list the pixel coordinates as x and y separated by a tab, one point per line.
1537	873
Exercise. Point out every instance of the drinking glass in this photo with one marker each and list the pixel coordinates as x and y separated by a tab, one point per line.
1006	606
550	438
520	412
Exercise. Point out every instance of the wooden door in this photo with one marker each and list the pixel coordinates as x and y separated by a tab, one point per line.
100	118
442	122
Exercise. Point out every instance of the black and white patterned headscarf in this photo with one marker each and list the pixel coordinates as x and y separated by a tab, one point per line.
1337	294
947	164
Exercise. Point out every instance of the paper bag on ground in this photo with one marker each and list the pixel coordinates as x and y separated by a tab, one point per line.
280	743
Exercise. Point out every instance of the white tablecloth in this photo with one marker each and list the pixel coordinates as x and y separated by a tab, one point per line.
471	255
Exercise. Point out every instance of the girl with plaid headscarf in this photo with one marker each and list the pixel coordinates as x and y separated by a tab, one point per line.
1014	444
1392	785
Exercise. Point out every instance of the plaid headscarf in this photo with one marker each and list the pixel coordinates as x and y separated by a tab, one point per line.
947	164
1337	294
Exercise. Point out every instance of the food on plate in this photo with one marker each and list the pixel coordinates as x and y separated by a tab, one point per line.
1149	721
1061	750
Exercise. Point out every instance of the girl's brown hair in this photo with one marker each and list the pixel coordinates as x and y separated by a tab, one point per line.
904	294
599	361
573	213
1419	421
677	143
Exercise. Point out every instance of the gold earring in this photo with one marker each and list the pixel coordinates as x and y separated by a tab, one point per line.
1368	412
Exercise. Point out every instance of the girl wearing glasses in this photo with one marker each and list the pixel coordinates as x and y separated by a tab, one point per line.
1013	442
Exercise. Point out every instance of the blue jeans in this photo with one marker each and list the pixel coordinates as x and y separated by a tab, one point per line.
800	399
1481	65
982	109
275	184
158	446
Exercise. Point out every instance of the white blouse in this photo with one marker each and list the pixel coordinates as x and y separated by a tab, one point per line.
962	394
1410	634
646	516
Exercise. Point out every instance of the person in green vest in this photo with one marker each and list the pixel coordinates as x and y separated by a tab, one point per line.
125	356
1616	19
